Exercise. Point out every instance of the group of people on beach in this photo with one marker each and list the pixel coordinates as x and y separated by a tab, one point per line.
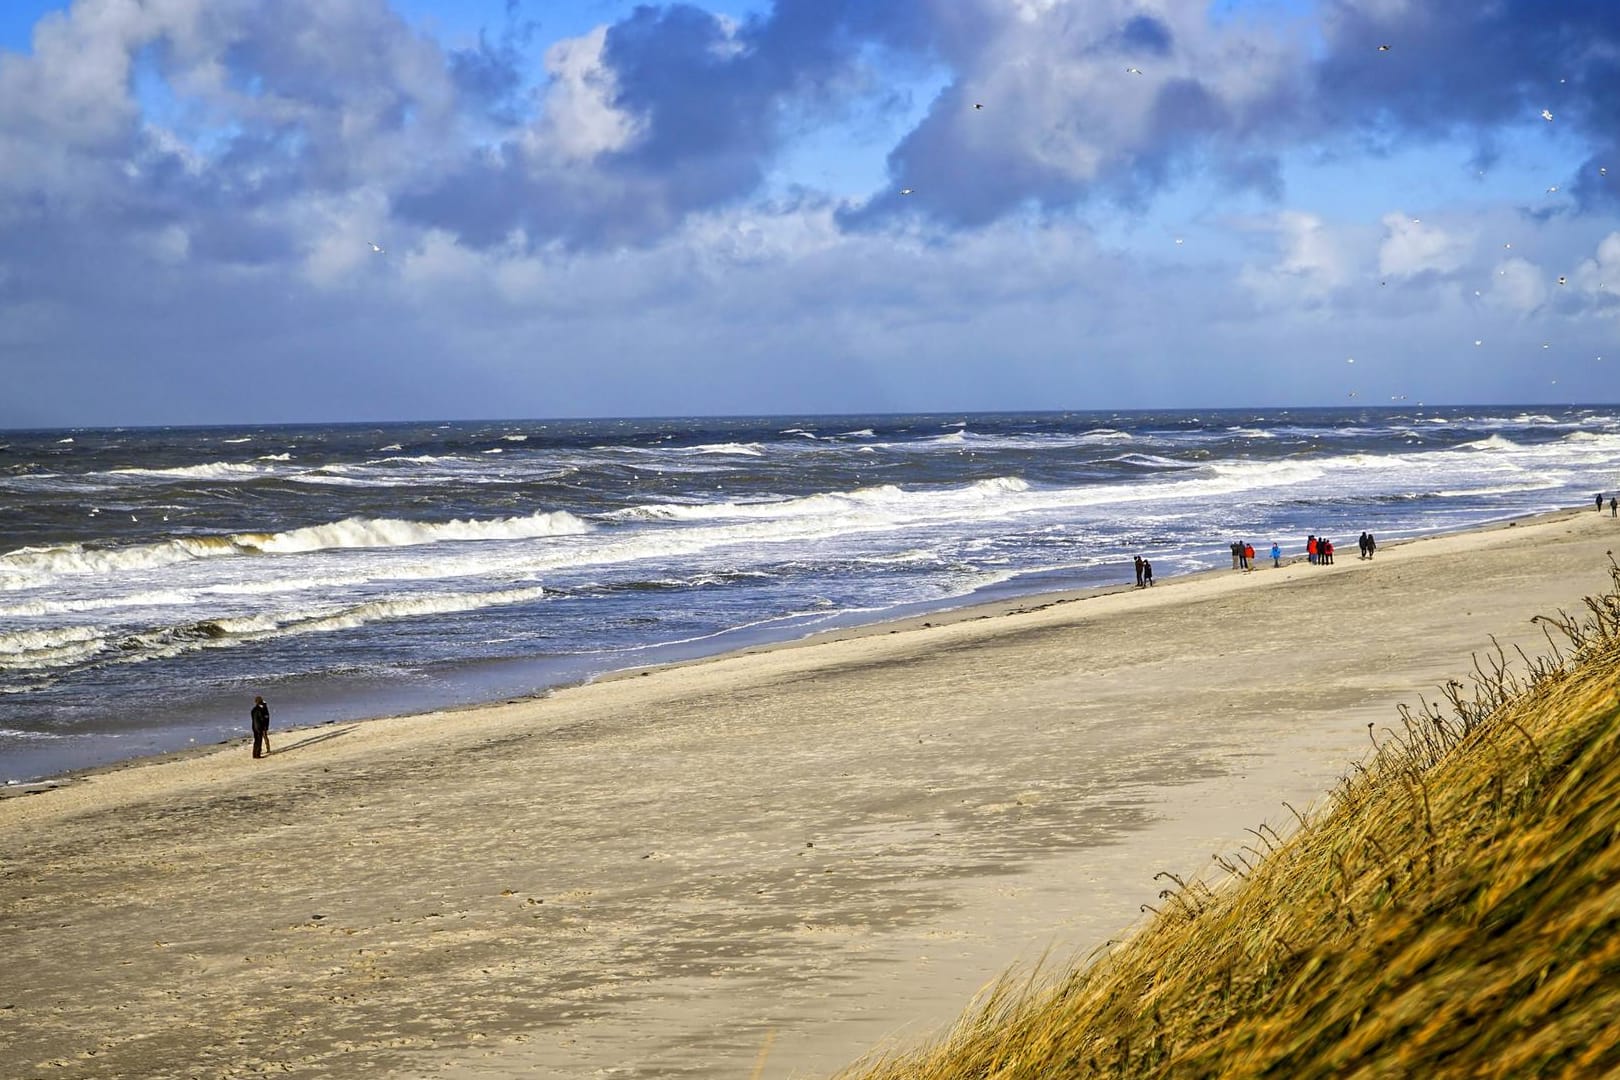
1319	550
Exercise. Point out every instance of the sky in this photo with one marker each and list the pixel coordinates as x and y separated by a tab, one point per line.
236	211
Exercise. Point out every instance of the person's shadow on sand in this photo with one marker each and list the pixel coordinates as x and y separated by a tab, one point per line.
312	739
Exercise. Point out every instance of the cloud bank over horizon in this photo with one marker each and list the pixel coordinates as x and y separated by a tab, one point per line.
804	206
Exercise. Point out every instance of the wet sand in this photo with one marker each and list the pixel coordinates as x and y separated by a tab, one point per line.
804	851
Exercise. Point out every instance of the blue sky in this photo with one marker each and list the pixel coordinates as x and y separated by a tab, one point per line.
598	208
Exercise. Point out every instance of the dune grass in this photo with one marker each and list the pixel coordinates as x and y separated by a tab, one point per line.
1453	910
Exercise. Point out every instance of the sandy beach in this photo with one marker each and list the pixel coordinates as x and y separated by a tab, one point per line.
788	856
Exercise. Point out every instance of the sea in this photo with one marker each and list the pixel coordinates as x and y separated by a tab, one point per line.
153	580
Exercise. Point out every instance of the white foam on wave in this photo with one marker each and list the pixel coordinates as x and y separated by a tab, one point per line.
34	650
24	641
732	449
243	439
232	631
1491	442
213	470
515	438
38	607
274	457
31	567
388	532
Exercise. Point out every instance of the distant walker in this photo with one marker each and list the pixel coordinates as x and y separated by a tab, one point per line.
261	727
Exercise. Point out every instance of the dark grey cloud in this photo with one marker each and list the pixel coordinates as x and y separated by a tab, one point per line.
711	102
1458	68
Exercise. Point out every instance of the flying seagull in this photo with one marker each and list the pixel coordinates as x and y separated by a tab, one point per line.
1133	71
1561	280
1546	114
1383	48
375	246
978	105
1552	189
905	191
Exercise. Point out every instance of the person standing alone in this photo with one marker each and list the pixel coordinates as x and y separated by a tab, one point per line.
261	727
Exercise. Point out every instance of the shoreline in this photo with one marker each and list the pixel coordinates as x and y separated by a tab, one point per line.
823	846
944	616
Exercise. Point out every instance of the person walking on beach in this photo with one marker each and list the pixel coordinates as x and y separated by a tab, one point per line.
261	727
1147	572
1372	545
1237	555
1248	556
1276	553
1139	571
1613	506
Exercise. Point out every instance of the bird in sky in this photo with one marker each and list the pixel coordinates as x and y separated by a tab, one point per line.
1383	48
1478	342
905	191
1133	71
1561	280
1552	189
375	247
978	105
1349	359
1546	114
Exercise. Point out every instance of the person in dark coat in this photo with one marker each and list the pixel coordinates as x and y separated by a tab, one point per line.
1139	571
261	727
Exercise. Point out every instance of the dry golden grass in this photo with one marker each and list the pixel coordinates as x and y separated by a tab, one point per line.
1452	911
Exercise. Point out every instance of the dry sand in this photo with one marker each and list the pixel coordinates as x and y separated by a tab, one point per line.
809	850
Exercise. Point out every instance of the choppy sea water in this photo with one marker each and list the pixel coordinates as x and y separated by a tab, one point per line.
152	580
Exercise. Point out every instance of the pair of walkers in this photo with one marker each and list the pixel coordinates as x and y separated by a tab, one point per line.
1368	545
1242	555
1144	573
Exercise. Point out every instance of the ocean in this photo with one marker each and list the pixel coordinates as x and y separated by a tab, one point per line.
152	580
